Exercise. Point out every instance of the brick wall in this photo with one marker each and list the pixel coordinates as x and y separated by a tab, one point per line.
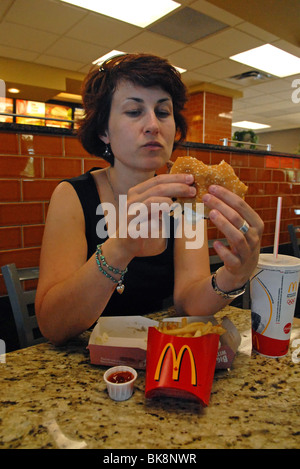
30	169
31	166
208	117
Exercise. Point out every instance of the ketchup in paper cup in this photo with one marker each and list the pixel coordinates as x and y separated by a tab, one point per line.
120	381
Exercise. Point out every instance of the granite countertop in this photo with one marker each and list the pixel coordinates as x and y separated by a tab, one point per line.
52	397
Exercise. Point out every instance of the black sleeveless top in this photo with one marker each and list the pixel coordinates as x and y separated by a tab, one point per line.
149	281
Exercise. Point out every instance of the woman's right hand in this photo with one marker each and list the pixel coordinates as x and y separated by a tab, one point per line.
141	230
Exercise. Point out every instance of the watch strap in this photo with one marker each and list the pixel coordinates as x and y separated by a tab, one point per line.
226	295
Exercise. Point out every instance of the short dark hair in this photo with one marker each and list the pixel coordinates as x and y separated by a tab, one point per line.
101	82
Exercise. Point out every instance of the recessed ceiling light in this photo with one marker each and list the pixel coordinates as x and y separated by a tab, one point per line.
107	56
180	70
130	11
250	125
270	59
13	90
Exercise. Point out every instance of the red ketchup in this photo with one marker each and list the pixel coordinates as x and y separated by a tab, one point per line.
120	377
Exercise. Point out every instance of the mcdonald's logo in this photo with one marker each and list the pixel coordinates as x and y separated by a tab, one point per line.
293	286
177	361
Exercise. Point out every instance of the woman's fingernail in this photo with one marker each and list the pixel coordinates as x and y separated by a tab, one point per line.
189	178
213	189
213	215
193	191
205	198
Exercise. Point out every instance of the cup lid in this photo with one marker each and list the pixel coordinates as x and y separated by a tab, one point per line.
267	260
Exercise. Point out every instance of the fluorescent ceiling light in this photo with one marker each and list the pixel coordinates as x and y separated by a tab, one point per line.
114	53
180	70
107	56
250	125
131	11
270	59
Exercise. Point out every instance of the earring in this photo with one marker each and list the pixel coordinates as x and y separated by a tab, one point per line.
107	151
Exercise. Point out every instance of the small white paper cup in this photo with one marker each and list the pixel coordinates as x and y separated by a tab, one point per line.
120	391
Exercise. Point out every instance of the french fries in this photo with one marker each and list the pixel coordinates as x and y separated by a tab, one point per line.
192	329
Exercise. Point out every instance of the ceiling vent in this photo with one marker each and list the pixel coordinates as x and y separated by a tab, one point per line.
250	78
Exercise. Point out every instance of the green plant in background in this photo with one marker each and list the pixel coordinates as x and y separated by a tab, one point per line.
245	136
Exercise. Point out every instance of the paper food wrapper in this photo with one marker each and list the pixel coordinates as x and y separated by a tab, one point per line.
122	340
181	367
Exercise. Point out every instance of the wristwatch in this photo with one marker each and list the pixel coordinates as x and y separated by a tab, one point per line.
226	294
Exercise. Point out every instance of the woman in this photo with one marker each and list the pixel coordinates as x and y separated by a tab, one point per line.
133	106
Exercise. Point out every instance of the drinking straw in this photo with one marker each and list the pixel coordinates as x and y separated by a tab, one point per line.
277	228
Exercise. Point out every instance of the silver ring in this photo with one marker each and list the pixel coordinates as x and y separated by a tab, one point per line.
244	228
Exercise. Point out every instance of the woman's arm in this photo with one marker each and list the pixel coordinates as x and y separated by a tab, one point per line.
71	292
193	292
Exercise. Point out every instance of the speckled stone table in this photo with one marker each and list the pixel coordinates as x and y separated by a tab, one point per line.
54	398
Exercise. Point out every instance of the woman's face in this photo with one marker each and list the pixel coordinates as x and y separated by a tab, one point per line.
141	127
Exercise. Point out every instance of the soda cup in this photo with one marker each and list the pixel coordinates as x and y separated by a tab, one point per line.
273	291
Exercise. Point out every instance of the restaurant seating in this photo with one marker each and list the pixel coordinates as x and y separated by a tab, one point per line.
295	239
22	304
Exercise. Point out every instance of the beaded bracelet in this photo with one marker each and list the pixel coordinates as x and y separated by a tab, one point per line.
100	258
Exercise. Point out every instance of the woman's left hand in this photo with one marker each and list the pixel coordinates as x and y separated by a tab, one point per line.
228	213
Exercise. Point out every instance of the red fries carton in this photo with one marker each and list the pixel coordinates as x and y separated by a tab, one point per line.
180	366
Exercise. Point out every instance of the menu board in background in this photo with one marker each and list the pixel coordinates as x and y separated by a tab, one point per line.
60	112
78	115
30	108
6	105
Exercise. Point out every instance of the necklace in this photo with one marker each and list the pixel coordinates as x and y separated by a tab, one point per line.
111	186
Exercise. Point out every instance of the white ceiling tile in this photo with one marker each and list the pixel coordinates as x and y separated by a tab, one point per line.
259	33
17	54
274	86
85	69
73	49
227	43
274	107
103	30
45	15
280	108
4	7
223	69
192	78
239	105
59	62
16	35
293	118
152	43
285	95
263	99
191	58
226	84
251	92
